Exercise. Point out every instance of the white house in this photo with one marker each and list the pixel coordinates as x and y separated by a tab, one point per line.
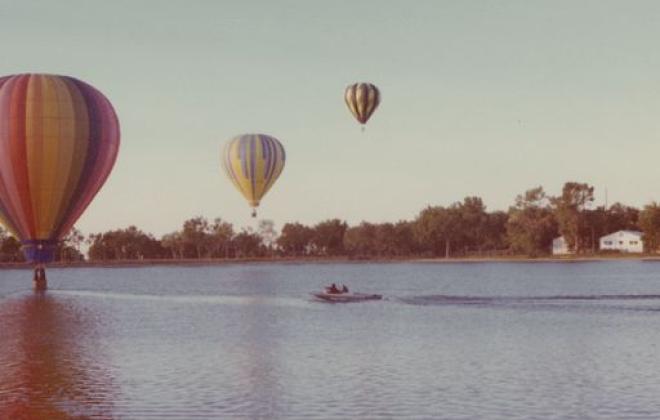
623	240
560	247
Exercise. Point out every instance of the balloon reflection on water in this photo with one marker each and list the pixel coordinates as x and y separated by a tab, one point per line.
51	361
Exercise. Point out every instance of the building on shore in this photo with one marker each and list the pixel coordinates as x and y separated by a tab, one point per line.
623	241
560	247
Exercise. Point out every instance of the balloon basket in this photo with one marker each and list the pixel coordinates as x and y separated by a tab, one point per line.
40	282
39	251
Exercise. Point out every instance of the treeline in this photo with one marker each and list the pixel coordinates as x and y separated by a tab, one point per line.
461	229
67	250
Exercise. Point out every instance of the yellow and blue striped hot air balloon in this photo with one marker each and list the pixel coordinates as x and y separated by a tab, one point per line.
253	162
362	100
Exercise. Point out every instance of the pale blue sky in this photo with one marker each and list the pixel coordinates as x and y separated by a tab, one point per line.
486	98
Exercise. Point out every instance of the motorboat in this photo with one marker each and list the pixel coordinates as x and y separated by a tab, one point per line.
345	297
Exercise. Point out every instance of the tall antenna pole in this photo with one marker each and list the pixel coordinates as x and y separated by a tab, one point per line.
605	198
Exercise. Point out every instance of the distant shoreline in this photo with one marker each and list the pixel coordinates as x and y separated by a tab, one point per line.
330	260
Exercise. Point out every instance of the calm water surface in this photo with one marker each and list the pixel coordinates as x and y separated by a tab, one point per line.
456	341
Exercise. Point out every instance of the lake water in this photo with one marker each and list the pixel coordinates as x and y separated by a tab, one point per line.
456	341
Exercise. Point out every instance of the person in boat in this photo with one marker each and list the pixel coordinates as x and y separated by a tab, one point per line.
344	289
332	289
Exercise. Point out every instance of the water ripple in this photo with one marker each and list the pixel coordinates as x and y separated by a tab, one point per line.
634	302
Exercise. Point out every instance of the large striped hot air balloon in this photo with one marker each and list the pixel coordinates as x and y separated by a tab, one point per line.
362	100
253	162
59	139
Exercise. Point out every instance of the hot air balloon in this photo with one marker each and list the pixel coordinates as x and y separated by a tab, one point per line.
253	162
362	100
59	139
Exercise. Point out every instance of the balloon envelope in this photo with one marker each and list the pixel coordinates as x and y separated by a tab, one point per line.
362	100
253	162
59	139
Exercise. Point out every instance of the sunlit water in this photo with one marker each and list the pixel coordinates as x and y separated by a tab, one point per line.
458	341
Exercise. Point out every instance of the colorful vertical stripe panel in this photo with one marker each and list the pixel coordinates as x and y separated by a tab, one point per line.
253	162
362	100
59	139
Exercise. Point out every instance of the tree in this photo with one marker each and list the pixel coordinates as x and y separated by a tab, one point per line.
173	243
569	212
295	239
361	241
404	238
247	244
103	246
124	244
268	234
69	248
196	236
95	251
621	217
531	225
386	240
10	248
436	228
221	234
473	222
594	226
75	238
649	222
494	236
3	238
328	237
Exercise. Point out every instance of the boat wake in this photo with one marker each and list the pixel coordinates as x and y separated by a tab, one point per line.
647	302
185	299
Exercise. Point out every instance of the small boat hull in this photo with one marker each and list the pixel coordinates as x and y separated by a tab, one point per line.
346	297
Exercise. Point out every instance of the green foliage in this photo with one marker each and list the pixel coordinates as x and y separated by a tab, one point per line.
495	238
461	229
268	235
295	240
362	240
124	244
328	237
620	217
380	240
464	228
649	222
570	212
173	244
396	239
221	235
531	225
10	250
248	244
437	227
69	248
199	239
196	237
403	239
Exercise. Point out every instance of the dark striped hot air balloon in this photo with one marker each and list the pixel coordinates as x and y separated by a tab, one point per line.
362	100
253	162
59	139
